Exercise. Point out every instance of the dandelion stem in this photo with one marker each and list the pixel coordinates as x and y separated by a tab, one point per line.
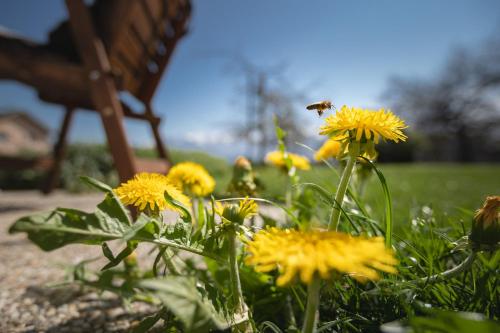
168	258
311	315
341	190
290	313
234	274
288	193
288	196
194	211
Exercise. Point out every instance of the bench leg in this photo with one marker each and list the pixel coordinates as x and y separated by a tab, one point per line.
160	146
58	154
102	87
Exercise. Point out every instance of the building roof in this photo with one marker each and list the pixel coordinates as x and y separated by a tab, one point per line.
23	117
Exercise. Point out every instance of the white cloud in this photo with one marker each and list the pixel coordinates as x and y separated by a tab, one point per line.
209	137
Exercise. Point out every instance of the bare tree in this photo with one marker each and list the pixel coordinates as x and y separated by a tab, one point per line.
266	93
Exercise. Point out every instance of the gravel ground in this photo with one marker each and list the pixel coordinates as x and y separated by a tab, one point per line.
27	302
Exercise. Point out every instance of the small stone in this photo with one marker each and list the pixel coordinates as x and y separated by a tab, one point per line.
27	301
51	312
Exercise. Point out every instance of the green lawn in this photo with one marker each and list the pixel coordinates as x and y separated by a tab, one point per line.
444	188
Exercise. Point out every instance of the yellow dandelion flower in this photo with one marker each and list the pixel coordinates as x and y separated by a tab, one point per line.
148	190
334	149
192	178
356	124
237	213
277	158
247	208
306	253
331	148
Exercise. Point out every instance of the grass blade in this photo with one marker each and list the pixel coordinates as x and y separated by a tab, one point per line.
388	204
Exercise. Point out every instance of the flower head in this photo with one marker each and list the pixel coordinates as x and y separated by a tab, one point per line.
331	148
306	253
192	178
277	158
364	126
237	213
243	181
242	163
147	190
486	222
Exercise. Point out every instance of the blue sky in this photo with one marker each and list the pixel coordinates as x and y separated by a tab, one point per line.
342	50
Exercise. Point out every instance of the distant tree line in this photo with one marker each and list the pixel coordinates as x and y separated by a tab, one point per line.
454	116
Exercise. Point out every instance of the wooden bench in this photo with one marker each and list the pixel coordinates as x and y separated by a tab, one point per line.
110	47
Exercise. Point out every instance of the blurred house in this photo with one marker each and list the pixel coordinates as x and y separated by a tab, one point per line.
21	134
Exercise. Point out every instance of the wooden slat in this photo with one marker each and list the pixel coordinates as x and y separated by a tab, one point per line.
173	8
134	49
135	53
114	20
142	23
127	48
156	8
120	67
147	115
48	72
147	47
179	12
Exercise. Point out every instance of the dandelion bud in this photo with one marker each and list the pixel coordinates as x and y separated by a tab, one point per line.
231	213
236	213
486	223
131	259
243	181
242	163
131	266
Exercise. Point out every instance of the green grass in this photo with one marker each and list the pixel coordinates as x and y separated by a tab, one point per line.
443	188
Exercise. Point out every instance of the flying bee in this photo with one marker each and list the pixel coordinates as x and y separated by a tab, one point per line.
320	107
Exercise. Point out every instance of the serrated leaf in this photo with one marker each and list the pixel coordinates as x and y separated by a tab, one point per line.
148	322
56	229
180	295
186	214
96	184
111	205
61	227
139	224
122	255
